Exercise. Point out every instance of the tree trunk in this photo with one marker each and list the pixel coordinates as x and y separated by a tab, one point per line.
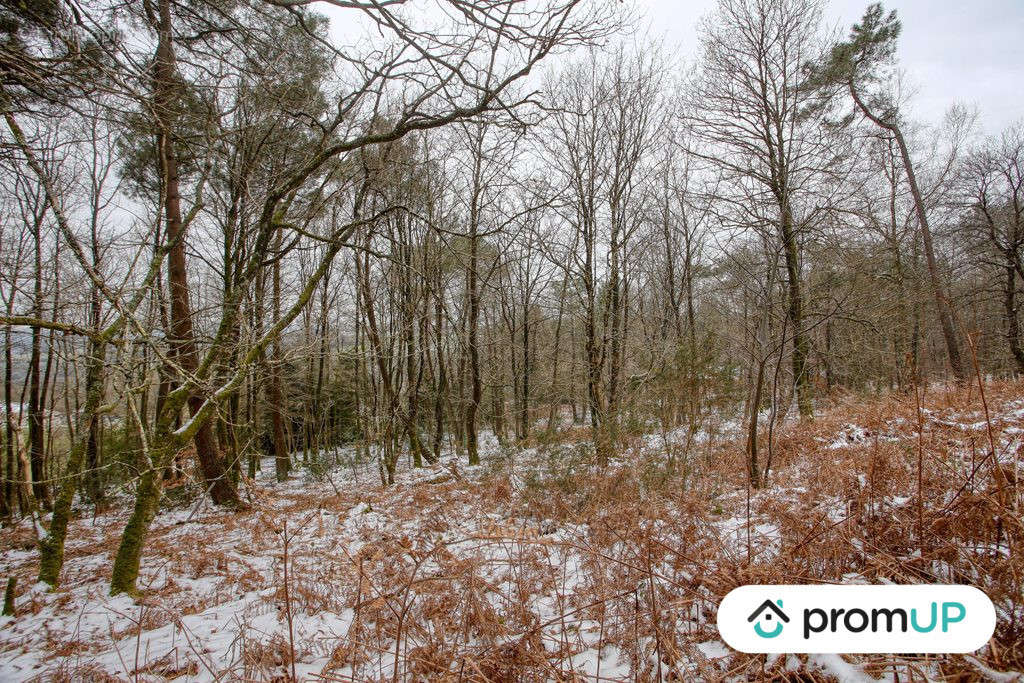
51	548
93	477
10	436
182	338
941	301
753	466
129	552
37	447
556	395
524	408
801	344
956	363
1010	309
615	316
442	371
413	377
275	394
593	354
476	384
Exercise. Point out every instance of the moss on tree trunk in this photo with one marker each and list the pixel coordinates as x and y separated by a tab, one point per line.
51	547
129	553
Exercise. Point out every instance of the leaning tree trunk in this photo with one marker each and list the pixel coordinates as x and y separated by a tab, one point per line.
941	301
956	362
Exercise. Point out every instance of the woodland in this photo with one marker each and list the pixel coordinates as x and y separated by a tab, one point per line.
490	340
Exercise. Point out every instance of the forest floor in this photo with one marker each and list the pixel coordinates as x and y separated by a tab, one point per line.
536	565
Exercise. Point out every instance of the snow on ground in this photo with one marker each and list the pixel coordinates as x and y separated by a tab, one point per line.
485	573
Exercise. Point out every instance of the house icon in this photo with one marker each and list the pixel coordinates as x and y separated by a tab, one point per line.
765	614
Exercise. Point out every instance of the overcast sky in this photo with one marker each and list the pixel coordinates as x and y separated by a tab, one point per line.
967	51
952	51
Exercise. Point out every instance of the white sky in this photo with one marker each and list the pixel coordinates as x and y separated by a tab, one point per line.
969	52
965	51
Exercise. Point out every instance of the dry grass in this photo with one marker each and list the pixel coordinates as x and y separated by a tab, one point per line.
527	569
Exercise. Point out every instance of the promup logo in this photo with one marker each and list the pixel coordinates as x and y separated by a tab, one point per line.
857	618
765	612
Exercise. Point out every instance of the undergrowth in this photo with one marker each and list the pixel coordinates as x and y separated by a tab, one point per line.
543	566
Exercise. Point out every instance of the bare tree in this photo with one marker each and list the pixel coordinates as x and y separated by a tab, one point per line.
747	109
600	137
993	179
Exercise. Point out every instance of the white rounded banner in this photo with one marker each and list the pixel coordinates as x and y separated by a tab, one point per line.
856	618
